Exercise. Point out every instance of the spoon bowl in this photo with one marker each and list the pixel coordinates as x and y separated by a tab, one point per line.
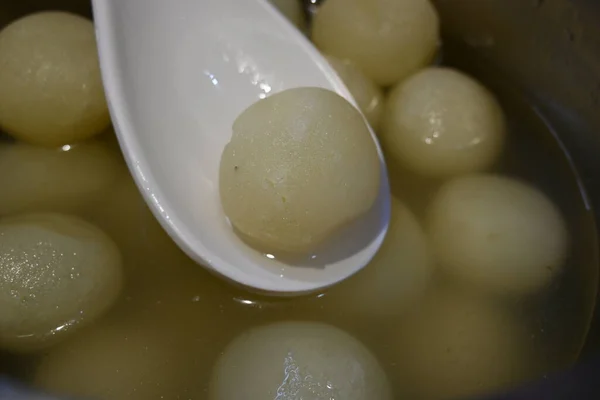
176	75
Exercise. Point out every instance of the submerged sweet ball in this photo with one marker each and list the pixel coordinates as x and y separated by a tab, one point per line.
69	179
57	274
117	362
50	86
154	345
388	40
456	346
299	166
298	360
499	234
441	122
397	276
367	94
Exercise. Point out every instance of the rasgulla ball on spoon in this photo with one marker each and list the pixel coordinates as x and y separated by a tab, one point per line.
440	122
388	40
497	233
298	360
51	91
57	274
398	275
367	94
301	164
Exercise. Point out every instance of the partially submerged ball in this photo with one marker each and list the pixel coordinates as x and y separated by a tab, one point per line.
118	362
57	274
51	91
300	165
388	40
368	95
457	346
441	122
498	233
69	179
298	360
398	275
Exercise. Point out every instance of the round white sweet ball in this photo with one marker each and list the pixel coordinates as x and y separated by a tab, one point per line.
498	233
388	40
454	346
57	274
396	277
368	96
67	179
300	165
440	122
292	360
51	91
293	11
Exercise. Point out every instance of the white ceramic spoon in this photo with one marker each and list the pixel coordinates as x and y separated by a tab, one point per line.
177	74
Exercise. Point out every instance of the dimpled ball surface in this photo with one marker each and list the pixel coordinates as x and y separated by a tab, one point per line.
300	165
